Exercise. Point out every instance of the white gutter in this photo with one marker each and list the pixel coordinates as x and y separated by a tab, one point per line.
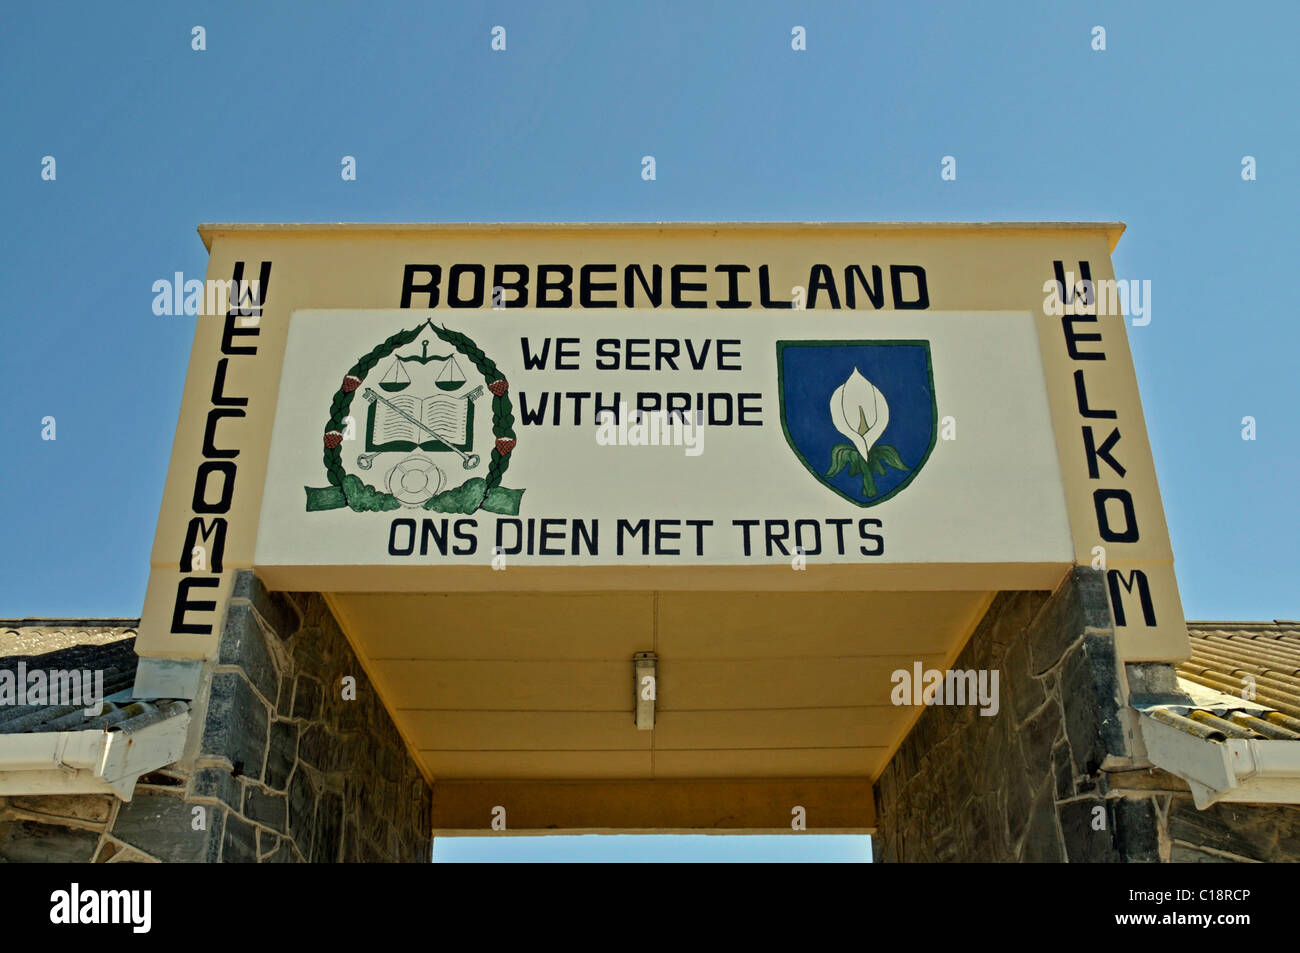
1236	769
104	761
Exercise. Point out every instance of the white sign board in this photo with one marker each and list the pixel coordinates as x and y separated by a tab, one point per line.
893	437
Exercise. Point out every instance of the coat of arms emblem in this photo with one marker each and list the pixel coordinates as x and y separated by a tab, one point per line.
860	415
419	420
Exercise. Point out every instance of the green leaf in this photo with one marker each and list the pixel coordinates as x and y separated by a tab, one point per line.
324	498
890	456
364	498
868	484
855	464
839	458
463	499
501	500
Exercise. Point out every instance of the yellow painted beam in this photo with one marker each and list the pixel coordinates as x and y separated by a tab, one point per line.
829	806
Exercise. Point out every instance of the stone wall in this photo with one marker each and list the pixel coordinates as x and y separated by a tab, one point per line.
287	769
1161	812
54	828
1051	776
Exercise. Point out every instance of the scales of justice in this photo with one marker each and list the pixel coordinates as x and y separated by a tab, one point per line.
420	410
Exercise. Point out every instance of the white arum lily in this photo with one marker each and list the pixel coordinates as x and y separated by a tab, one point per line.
859	411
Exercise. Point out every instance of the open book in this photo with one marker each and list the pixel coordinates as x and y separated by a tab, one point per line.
450	417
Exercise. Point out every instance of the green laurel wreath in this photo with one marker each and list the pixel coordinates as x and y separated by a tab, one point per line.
347	489
878	457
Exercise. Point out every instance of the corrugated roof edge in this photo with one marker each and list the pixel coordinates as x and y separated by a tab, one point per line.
43	622
1231	624
210	229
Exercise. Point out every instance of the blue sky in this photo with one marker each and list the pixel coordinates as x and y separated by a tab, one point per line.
151	138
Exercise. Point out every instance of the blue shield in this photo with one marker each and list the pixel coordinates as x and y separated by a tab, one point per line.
861	416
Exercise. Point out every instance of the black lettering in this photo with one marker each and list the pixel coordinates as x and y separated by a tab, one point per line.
634	530
566	349
666	351
465	533
590	536
479	275
607	354
776	531
409	547
199	529
577	396
699	534
429	529
230	331
1114	580
745	526
1067	294
184	605
654	291
563	283
519	286
634	354
219	388
821	279
839	524
586	286
875	290
680	287
611	409
1081	396
552	531
503	550
664	530
800	545
765	291
733	273
249	298
531	361
536	416
409	287
697	361
722	419
922	301
244	305
227	470
1095	453
877	540
210	432
1073	337
1130	531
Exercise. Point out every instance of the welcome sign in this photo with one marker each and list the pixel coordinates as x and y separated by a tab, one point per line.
524	437
889	406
